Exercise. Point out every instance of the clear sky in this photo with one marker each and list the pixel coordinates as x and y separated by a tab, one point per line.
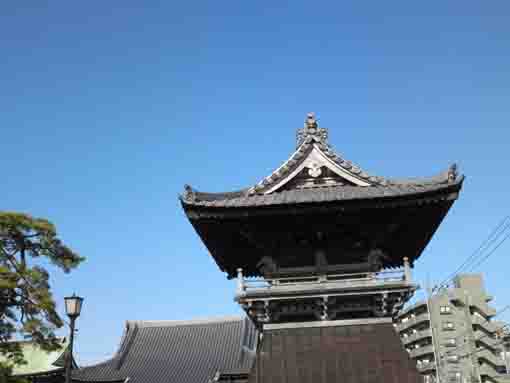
108	108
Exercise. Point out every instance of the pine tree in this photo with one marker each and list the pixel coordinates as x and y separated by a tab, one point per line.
27	308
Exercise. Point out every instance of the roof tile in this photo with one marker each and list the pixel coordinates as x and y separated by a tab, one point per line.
175	352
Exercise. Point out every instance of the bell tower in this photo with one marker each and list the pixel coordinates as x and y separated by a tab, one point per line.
322	247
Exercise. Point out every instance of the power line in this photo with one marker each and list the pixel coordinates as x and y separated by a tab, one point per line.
491	252
502	226
494	234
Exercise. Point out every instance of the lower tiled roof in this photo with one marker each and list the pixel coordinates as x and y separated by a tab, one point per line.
39	361
177	352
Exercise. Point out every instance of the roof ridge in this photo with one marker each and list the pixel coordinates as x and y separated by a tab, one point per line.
314	152
184	322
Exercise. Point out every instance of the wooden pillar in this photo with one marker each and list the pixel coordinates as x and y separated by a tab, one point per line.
240	282
407	270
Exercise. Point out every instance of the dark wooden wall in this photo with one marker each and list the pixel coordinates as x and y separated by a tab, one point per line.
368	353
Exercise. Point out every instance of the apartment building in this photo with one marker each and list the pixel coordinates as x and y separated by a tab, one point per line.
453	339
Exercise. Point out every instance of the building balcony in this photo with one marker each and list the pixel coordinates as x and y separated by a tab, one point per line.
493	343
420	305
484	309
427	333
421	351
488	371
457	295
411	322
491	358
485	324
426	368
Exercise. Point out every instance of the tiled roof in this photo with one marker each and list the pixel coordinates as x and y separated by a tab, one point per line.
323	194
177	352
268	191
370	353
38	360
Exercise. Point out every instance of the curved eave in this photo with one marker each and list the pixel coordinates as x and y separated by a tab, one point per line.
52	372
107	371
405	191
175	351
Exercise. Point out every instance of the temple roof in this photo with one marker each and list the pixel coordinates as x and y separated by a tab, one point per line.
316	173
177	352
317	198
39	361
325	194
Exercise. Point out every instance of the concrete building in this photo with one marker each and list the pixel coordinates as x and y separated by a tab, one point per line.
455	328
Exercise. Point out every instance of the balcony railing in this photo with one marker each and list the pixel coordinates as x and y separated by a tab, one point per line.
427	333
254	285
482	322
413	321
420	351
482	337
484	309
426	367
490	357
487	370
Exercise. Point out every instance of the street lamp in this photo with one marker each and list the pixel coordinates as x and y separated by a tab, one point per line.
73	310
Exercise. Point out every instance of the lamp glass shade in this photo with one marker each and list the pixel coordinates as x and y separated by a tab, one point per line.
73	305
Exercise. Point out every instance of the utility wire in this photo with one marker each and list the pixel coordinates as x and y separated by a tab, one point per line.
502	226
491	252
496	232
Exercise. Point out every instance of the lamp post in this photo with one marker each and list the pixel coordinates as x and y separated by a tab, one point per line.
73	309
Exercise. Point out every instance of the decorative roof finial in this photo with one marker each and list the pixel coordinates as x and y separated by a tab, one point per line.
189	194
311	131
310	122
452	172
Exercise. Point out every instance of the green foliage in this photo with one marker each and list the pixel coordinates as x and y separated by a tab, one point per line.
5	375
27	308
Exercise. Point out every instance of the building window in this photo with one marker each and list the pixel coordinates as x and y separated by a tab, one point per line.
448	326
445	309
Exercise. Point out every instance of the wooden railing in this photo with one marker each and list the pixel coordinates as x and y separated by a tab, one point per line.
251	284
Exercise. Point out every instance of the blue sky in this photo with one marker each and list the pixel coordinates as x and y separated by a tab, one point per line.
108	109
